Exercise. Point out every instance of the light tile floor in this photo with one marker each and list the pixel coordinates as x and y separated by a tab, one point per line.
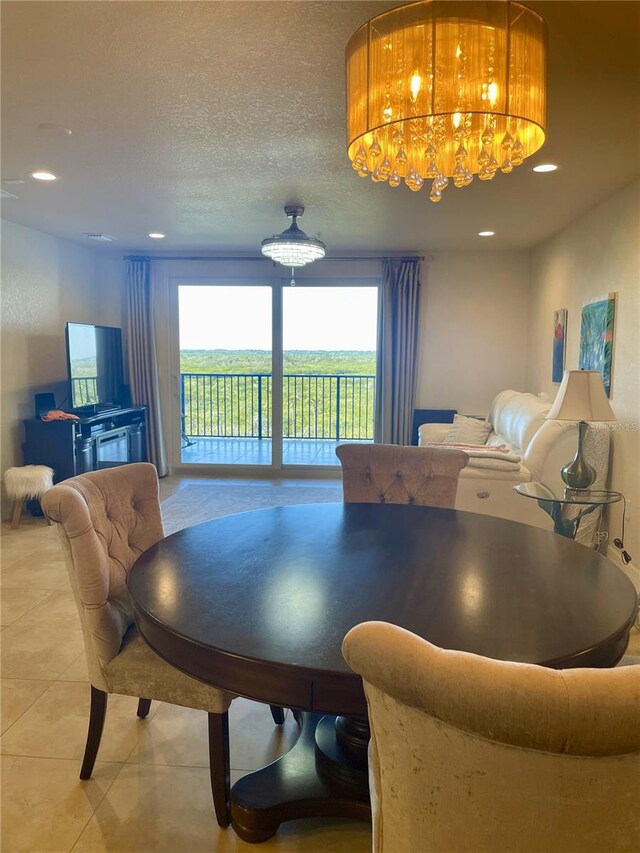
150	789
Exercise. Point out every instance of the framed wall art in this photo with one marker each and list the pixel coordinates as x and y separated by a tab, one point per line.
559	344
596	337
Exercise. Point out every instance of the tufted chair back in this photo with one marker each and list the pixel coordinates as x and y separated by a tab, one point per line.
468	753
388	473
106	519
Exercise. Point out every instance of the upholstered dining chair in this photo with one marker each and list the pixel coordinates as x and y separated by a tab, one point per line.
388	473
106	520
472	754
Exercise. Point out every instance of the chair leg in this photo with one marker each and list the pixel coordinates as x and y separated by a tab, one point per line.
16	511
143	707
219	768
96	724
278	714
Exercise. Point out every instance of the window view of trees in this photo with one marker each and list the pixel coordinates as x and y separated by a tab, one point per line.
328	381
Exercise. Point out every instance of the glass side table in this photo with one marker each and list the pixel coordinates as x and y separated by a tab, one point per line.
561	503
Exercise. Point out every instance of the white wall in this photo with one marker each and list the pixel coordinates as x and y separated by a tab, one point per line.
111	271
45	283
473	320
596	255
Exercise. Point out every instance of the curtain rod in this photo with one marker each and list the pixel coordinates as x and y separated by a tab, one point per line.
261	258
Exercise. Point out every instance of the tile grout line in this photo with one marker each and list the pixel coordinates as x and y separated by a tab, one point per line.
98	804
29	609
75	760
82	654
46	690
53	679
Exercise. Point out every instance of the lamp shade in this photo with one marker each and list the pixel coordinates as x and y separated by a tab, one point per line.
581	397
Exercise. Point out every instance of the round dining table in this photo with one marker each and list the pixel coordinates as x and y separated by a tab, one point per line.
258	603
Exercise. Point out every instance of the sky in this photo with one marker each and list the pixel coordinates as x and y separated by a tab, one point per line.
314	318
82	341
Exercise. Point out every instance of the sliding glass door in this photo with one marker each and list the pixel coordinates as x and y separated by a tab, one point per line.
225	374
273	375
329	366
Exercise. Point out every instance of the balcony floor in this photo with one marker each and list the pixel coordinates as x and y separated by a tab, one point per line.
254	451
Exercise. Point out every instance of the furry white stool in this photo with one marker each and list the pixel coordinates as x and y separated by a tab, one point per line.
26	483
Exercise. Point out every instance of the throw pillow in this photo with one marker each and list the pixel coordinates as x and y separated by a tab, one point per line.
468	431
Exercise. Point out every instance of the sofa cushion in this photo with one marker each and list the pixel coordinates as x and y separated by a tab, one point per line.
499	402
468	431
519	474
517	417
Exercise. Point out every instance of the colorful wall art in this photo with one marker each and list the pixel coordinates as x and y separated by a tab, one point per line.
559	344
596	338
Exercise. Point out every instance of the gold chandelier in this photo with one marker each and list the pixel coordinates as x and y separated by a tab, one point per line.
446	89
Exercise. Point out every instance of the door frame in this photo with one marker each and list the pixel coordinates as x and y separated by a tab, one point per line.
174	430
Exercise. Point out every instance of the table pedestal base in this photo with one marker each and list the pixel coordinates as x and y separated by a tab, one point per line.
316	778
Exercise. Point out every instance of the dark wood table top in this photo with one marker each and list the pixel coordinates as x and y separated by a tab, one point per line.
260	602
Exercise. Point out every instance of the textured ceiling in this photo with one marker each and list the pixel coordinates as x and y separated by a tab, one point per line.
201	119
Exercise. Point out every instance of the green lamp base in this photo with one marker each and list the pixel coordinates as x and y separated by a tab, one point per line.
578	474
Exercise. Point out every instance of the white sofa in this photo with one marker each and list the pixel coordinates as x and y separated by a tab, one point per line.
518	420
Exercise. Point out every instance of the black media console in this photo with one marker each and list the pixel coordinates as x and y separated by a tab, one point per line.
101	440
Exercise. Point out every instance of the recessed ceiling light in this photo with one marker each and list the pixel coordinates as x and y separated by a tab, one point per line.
486	233
43	175
155	235
545	167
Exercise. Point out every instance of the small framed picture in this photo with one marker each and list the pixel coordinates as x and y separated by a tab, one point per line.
559	344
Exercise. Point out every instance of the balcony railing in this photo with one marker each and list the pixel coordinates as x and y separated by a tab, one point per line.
316	405
85	390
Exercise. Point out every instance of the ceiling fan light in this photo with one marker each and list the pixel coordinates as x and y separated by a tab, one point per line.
293	248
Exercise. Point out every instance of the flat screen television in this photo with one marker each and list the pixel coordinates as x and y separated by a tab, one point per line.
94	366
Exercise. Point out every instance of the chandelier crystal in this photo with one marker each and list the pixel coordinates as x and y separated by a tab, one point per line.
442	90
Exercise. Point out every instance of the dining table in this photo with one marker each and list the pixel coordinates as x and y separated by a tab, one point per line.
258	603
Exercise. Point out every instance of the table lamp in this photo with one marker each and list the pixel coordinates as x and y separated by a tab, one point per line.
581	398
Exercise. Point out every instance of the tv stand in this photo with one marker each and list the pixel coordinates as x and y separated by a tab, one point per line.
95	409
103	439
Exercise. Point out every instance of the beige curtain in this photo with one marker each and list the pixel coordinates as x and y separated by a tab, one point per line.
397	357
143	361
